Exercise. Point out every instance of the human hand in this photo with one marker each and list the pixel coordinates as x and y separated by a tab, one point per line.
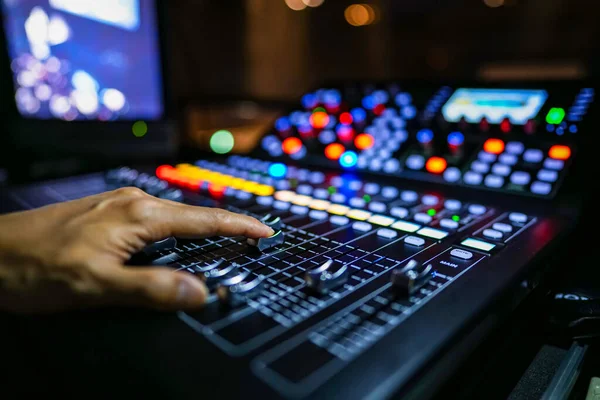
71	255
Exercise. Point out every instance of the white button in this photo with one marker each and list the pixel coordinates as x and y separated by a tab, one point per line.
429	200
423	218
361	226
478	244
371	188
316	177
508	159
494	181
355	185
414	241
338	220
492	234
501	169
551	163
477	209
480	167
514	147
264	200
452	174
321	193
486	157
409	196
405	226
448	223
389	192
517	217
533	156
392	165
281	205
433	233
459	253
415	161
338	198
377	207
317	214
452	205
357	202
387	233
472	178
300	210
538	187
520	178
547	175
502	227
399	212
381	220
304	189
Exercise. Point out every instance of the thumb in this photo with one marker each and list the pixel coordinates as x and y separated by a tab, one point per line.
152	287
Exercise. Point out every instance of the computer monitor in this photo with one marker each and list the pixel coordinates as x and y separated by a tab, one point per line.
89	77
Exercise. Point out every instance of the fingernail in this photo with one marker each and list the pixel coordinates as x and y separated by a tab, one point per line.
191	291
269	231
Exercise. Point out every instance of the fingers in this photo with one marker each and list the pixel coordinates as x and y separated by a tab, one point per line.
152	287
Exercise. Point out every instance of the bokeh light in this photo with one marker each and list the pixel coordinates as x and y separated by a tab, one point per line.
360	14
139	129
221	142
295	5
494	3
313	3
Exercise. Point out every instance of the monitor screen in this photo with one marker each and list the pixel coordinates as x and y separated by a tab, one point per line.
93	60
494	105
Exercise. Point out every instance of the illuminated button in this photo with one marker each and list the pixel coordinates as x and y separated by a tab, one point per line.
337	181
508	159
359	214
452	174
392	165
239	195
477	209
472	178
478	244
518	218
317	214
302	200
462	254
429	200
399	212
338	209
559	152
547	175
401	135
377	207
406	226
264	200
520	178
493	181
502	227
371	188
319	204
362	226
448	223
381	220
414	241
501	169
542	188
357	202
389	192
492	234
533	156
452	205
422	218
284	195
316	178
355	185
409	196
387	233
299	210
551	163
320	193
334	151
291	145
281	205
338	198
486	157
432	233
436	165
415	161
375	164
480	167
282	185
515	148
339	220
494	146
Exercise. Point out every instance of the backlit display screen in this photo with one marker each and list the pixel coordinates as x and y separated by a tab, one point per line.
85	59
495	105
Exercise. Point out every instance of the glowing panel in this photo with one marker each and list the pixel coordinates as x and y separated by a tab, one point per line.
478	244
121	13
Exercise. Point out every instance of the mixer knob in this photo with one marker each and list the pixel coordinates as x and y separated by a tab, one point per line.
272	222
326	277
411	278
425	137
484	125
161	245
237	289
263	244
530	126
171	194
214	273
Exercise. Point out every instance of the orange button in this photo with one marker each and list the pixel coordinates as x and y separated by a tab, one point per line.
291	145
319	119
436	165
334	151
559	152
494	146
364	141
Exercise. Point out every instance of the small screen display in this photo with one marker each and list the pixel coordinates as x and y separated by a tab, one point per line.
494	105
85	59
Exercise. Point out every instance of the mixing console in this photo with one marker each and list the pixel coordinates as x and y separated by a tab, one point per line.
368	273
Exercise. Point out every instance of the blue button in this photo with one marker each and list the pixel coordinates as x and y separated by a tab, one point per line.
472	178
377	207
409	196
304	189
494	181
338	198
538	187
401	135
547	175
429	200
399	212
415	161
452	205
316	178
514	148
501	169
371	188
551	163
357	202
375	164
520	178
486	157
391	166
337	181
508	159
451	174
389	192
355	185
533	156
480	167
477	209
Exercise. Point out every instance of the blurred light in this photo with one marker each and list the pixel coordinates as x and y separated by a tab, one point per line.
358	114
360	14
26	78
58	31
36	27
113	99
364	141
425	136
456	138
327	137
282	124
436	165
334	151
86	102
139	129
59	105
313	3
319	120
494	3
295	5
559	152
555	115
221	142
41	51
278	170
309	100
291	145
348	159
83	81
346	118
43	92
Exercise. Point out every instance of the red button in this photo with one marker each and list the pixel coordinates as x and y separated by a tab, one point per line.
559	152
436	165
494	146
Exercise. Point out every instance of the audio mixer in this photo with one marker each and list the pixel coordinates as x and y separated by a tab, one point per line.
401	214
